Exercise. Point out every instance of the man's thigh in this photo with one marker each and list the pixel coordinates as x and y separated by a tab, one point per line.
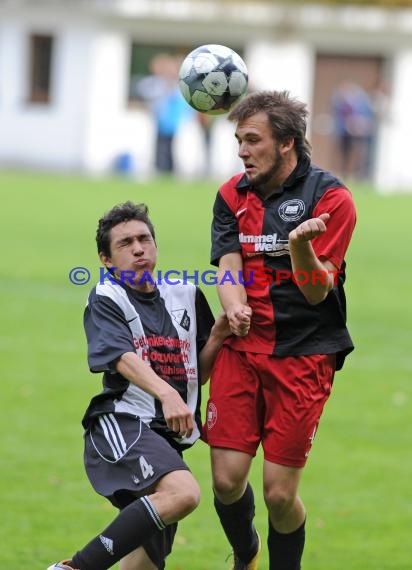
124	460
260	398
295	390
123	455
234	406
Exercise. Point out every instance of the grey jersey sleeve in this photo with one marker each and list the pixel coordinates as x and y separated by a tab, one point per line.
108	334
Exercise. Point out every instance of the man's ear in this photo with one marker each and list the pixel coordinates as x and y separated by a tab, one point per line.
105	259
287	144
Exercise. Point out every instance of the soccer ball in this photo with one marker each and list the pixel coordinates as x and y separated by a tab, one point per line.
213	78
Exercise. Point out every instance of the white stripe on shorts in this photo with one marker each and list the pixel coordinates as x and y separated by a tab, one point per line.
118	431
118	448
113	435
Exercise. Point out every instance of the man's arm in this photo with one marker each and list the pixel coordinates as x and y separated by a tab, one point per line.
207	355
318	246
315	278
233	297
177	415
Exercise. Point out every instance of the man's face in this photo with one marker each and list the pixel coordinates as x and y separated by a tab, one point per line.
263	157
132	249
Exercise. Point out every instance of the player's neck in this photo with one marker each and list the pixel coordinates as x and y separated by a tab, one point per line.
274	184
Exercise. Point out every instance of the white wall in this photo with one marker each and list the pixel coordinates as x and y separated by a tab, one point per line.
282	65
111	129
35	134
87	124
393	163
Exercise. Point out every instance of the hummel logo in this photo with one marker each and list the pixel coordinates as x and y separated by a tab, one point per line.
107	543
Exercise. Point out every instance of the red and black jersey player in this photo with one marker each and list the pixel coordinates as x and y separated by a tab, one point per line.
280	232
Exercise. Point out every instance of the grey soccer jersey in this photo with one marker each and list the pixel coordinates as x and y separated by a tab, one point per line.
166	328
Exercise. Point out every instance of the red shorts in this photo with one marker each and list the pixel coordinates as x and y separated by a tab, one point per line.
260	398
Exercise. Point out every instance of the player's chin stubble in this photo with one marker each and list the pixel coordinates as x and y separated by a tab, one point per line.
265	178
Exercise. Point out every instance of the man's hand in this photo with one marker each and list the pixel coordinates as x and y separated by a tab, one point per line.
309	229
177	415
221	328
239	317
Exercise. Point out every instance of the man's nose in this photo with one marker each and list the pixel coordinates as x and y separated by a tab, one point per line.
137	247
243	150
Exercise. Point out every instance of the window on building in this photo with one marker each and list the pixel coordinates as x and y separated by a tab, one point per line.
41	51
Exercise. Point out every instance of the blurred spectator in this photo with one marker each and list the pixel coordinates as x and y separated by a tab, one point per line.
380	99
161	90
355	129
205	121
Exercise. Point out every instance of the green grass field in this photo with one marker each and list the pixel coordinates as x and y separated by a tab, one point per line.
357	484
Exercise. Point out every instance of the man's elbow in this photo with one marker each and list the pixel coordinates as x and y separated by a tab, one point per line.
317	296
315	299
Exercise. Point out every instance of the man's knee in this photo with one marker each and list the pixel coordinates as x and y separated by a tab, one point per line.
180	491
230	471
279	500
281	484
189	498
228	488
186	496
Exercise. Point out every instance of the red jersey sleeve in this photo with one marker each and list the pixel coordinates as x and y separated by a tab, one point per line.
332	244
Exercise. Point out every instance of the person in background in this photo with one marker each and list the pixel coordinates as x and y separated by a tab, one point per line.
170	110
355	123
206	124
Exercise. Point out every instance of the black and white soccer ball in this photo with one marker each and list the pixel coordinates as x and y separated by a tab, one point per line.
213	78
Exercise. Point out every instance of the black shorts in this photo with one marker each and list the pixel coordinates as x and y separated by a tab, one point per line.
123	458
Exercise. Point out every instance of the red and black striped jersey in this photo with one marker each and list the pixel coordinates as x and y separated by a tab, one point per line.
283	322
